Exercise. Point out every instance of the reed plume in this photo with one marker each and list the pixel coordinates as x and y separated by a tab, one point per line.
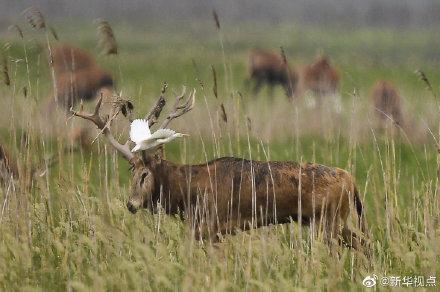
34	17
422	76
107	40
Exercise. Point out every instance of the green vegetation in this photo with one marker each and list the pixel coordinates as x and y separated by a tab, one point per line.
72	231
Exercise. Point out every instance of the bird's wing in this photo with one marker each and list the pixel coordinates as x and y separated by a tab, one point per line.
162	134
139	131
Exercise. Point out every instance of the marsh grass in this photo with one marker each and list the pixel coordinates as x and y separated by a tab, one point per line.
67	228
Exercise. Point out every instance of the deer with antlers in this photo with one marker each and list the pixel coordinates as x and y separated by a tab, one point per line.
227	194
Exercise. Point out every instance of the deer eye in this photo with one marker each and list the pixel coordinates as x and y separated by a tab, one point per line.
143	176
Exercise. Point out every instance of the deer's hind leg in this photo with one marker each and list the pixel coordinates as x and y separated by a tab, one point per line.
332	220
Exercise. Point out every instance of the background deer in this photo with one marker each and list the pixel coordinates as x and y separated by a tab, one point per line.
267	67
321	78
387	103
77	76
231	193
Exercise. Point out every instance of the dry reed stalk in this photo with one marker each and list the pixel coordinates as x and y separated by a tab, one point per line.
36	20
54	33
223	113
215	91
214	79
286	65
216	19
17	29
424	78
21	35
218	27
5	72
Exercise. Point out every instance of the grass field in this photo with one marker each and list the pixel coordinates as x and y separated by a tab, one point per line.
72	231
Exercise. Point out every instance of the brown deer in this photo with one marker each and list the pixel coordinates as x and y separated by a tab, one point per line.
268	67
226	194
68	58
321	78
77	76
387	102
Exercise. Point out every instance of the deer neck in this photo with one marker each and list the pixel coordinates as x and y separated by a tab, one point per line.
168	186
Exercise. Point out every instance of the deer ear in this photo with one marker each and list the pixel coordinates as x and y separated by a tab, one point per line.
153	158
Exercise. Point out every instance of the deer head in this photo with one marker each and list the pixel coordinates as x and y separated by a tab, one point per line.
142	164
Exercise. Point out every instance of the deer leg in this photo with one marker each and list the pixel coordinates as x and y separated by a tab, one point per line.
332	229
317	229
334	219
349	238
211	232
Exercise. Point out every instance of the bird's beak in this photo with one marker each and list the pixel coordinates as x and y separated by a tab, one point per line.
185	135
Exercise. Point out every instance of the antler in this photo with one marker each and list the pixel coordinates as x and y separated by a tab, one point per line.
180	108
104	127
154	113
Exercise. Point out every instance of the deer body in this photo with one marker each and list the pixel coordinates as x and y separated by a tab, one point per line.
321	78
233	193
387	102
82	84
267	67
77	76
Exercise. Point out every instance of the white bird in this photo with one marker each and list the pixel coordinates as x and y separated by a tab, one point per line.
141	135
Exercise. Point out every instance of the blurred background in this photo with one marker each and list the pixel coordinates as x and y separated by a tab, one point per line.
178	42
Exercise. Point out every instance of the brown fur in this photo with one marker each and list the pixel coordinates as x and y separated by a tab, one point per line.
67	58
321	77
229	193
77	76
387	102
267	67
81	85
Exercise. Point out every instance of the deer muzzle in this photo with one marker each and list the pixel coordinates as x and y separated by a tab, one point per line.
133	205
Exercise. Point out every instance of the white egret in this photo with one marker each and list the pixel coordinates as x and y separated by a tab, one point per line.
141	135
